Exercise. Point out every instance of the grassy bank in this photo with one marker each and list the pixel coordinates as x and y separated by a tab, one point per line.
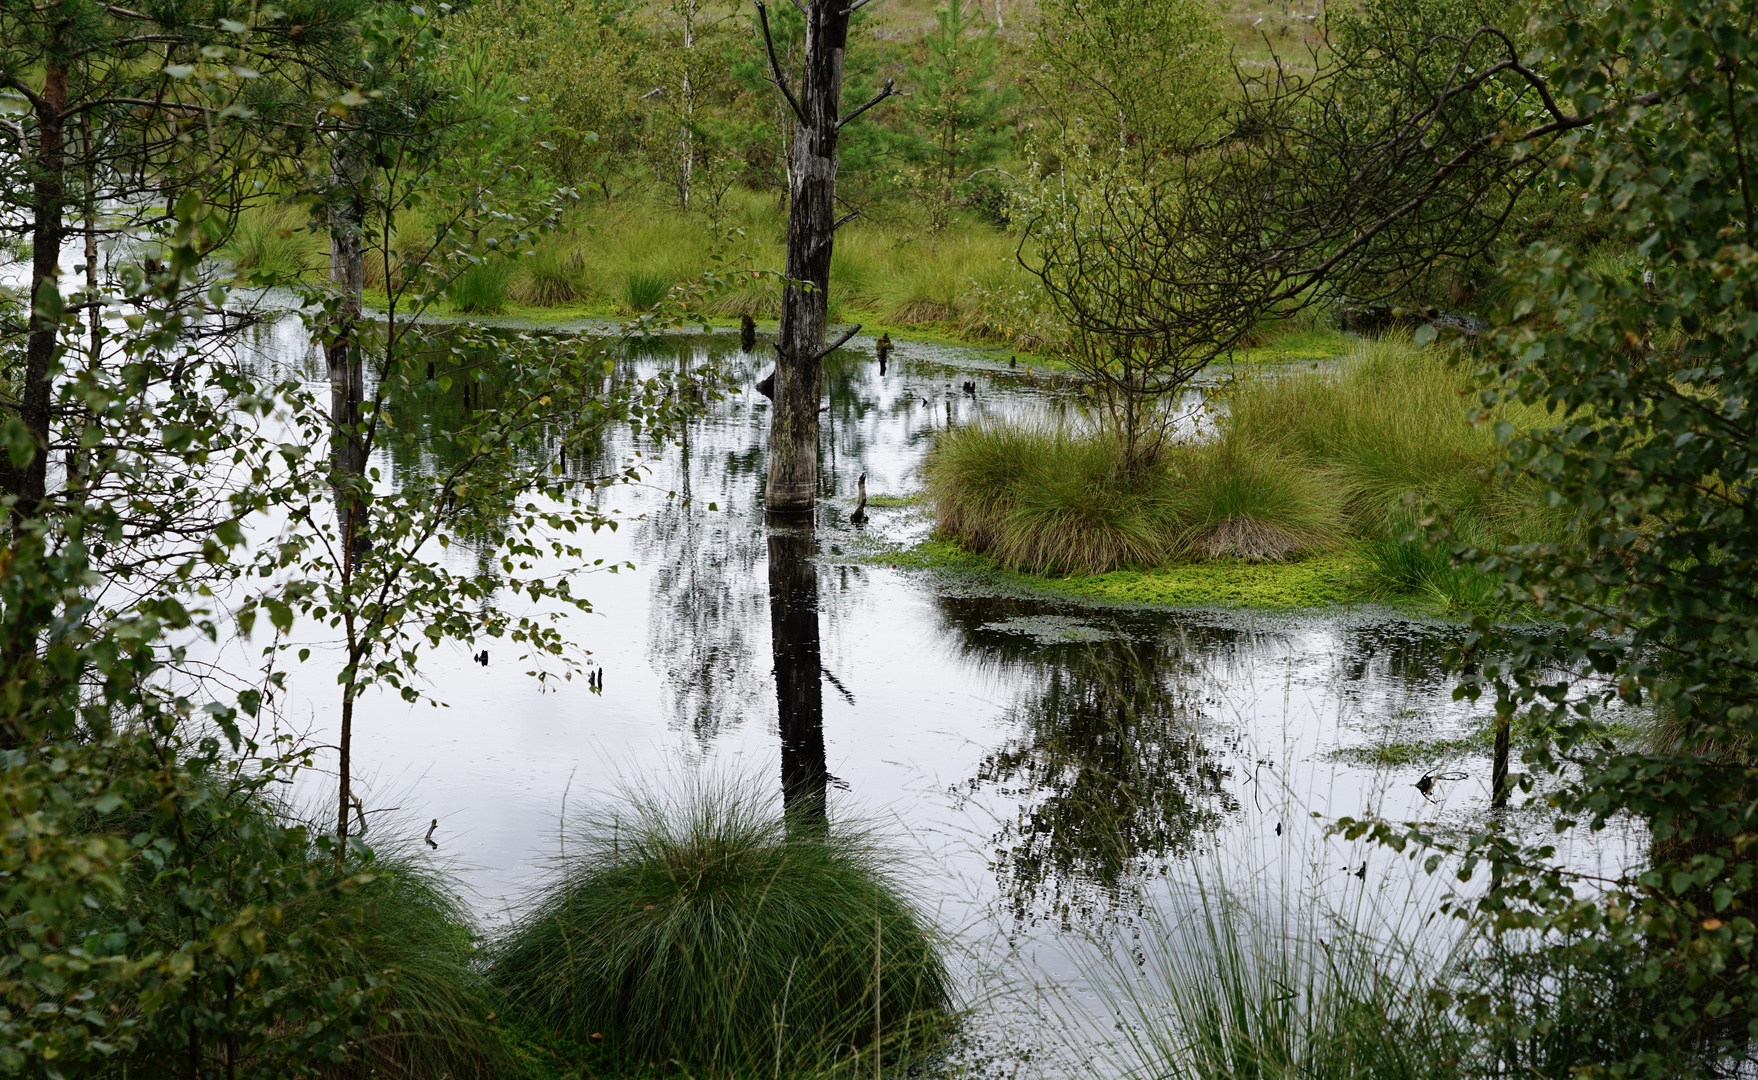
1327	475
615	259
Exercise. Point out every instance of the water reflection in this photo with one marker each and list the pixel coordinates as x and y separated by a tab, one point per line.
1114	776
799	668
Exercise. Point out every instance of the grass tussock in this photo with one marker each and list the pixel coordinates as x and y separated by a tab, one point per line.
422	944
1050	499
276	239
704	930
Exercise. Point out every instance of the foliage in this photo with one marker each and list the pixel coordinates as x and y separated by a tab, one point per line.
154	912
705	929
1650	448
1101	70
954	112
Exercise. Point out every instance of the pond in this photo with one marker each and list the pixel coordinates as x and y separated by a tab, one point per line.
1035	761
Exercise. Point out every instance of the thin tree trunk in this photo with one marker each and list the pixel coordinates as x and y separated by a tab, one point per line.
346	369
347	216
811	223
29	482
686	136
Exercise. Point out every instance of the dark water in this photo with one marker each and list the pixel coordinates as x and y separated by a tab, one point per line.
1038	763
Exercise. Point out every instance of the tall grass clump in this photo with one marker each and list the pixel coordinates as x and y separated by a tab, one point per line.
1390	421
643	290
421	942
708	930
551	275
1235	499
1229	994
1049	498
482	288
275	239
1043	499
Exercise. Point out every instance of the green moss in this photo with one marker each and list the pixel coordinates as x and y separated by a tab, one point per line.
916	499
1319	581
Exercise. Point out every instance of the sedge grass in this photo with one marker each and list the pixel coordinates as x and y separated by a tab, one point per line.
482	289
1045	499
707	930
1301	463
1268	990
276	239
420	941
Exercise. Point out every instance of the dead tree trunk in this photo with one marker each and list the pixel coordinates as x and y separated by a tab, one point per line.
811	227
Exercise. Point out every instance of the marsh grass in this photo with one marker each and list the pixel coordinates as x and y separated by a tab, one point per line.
277	239
482	289
552	275
1228	993
641	291
1060	498
708	931
947	282
1371	453
1050	498
421	941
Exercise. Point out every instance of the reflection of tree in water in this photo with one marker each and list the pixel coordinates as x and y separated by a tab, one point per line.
1113	779
708	602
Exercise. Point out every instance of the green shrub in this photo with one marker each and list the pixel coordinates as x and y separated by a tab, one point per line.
704	930
482	288
642	291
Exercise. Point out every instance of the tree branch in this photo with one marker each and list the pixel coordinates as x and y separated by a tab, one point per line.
883	94
777	77
839	342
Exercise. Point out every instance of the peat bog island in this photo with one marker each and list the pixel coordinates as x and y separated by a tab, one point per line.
991	539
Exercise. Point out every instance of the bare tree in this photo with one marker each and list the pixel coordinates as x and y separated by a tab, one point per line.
1310	197
811	228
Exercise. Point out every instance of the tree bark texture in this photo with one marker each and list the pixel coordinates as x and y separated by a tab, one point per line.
811	223
799	689
29	482
347	214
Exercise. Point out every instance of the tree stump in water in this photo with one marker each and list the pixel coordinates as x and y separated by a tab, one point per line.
859	517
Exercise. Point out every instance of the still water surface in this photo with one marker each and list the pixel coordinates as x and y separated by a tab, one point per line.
1033	760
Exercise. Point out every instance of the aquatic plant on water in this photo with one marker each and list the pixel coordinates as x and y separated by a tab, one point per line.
708	930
